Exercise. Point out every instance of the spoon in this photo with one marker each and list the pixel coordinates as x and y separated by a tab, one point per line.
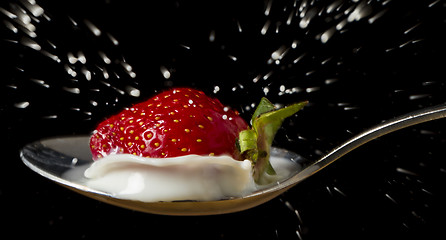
64	159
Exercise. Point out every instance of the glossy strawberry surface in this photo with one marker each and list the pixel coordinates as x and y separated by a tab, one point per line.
176	122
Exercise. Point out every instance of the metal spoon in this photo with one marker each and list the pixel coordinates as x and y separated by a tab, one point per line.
59	159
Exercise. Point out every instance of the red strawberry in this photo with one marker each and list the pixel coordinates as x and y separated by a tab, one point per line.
185	121
177	122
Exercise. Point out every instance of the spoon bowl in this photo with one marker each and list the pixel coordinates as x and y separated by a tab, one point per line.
64	160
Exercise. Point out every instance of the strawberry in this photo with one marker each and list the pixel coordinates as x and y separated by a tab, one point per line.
184	121
173	123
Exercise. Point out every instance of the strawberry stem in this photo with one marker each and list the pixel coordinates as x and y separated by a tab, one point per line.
255	143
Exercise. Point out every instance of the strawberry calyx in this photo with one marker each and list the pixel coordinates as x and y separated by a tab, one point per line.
255	143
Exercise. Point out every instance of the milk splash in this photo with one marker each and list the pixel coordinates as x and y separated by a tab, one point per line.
190	177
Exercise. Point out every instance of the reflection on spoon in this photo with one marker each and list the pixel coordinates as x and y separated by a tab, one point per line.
52	158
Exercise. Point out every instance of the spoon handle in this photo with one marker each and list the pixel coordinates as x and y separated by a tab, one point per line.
386	127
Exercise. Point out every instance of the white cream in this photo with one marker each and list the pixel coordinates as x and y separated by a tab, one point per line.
190	177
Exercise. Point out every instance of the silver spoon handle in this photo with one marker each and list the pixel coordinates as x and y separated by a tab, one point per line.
407	120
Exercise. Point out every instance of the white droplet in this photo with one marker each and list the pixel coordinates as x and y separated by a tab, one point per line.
341	25
279	53
7	13
265	27
50	117
330	81
70	71
81	57
40	82
268	7
290	17
133	91
256	79
104	57
312	89
21	105
239	27
72	90
35	9
113	39
10	26
362	10
294	44
105	73
267	75
71	58
212	36
30	43
233	58
132	74
377	16
127	66
304	23
165	72
86	73
327	35
92	28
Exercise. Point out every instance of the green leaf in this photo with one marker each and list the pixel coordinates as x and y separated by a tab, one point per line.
266	126
264	106
247	140
269	122
255	143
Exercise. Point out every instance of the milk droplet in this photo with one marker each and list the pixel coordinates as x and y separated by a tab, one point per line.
165	72
95	30
133	91
21	105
